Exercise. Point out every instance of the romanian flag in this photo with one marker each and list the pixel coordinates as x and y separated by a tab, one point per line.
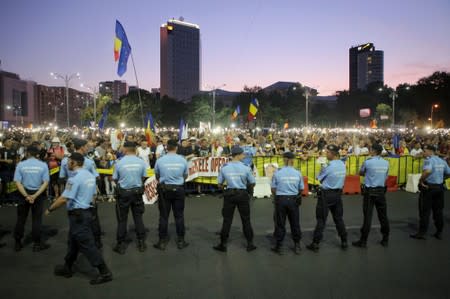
236	112
252	109
122	49
150	131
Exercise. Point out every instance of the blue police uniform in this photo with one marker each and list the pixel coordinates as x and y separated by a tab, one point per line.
332	179
89	165
31	173
171	170
240	181
288	185
375	171
432	197
129	173
79	192
249	152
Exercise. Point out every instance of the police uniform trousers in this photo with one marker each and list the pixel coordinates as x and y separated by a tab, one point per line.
236	198
95	223
81	238
374	197
329	200
171	197
431	199
37	209
287	206
130	199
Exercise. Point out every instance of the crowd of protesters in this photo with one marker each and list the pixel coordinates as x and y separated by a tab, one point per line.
55	145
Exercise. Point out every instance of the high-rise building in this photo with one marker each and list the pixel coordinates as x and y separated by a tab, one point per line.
366	66
115	89
17	100
180	59
52	105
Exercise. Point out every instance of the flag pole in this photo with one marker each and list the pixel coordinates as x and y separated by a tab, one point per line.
139	90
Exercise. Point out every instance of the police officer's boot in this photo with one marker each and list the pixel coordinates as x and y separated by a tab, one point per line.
385	241
221	246
40	246
418	236
141	245
104	276
438	235
250	246
314	246
18	246
120	248
63	270
277	248
181	243
161	245
297	248
361	243
2	245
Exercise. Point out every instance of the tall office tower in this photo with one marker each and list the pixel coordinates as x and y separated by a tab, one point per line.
366	66
180	59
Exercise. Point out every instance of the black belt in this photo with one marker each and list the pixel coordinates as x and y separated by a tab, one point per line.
75	212
331	190
373	188
289	197
434	186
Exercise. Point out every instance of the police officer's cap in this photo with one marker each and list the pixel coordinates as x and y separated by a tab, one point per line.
236	150
172	143
377	148
430	147
288	155
77	157
333	148
33	150
129	144
79	142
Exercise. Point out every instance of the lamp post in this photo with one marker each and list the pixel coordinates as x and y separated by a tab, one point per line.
431	115
393	96
94	97
66	79
213	90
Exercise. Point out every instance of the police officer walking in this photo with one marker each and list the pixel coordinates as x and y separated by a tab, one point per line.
171	170
81	147
287	186
375	170
431	197
129	174
78	195
332	179
240	183
31	177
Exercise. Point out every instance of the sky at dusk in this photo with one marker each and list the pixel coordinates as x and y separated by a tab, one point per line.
252	42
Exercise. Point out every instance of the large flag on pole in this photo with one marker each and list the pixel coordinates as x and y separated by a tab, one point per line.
252	109
150	130
236	112
122	49
101	123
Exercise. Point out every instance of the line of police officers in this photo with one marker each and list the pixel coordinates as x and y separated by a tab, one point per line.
171	171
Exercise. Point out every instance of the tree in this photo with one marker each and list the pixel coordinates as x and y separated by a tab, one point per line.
384	110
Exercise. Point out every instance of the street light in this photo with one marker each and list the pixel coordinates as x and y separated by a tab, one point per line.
307	93
94	95
66	79
213	90
431	115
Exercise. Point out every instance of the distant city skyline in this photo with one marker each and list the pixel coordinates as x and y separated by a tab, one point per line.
243	43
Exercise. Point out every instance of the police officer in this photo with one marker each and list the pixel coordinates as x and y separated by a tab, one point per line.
332	179
31	177
375	170
240	183
78	195
287	186
431	196
129	174
81	147
171	170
